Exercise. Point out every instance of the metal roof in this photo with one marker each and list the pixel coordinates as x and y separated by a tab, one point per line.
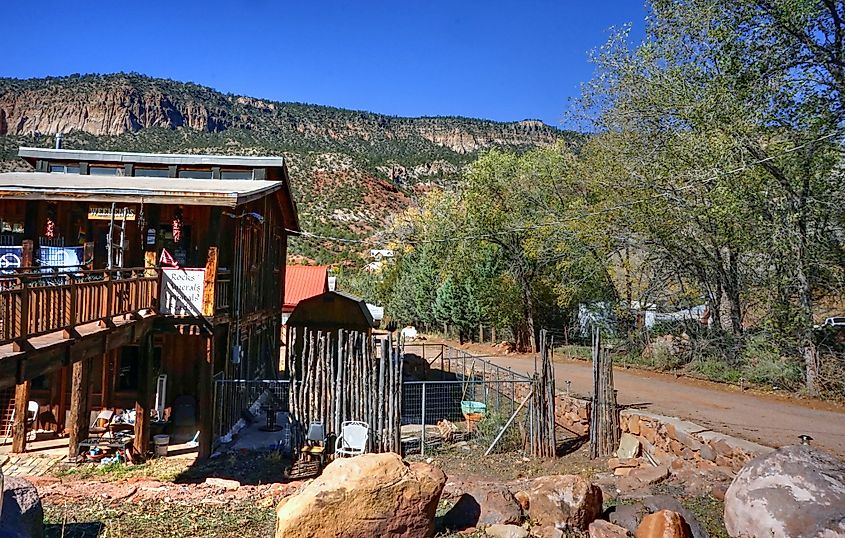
57	186
302	282
184	159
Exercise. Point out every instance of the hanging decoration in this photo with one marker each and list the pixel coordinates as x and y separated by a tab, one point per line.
177	226
142	222
50	227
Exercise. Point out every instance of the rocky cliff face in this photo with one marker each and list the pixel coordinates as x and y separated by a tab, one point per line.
114	105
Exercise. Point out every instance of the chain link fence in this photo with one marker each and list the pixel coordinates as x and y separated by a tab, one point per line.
453	396
448	396
235	398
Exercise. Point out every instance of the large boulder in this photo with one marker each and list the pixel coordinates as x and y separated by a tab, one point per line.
365	496
22	516
563	501
605	529
794	492
663	524
483	505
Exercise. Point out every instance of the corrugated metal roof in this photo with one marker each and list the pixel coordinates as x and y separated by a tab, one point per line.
56	186
303	282
185	159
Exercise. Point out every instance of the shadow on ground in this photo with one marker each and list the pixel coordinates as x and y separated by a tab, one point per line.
570	445
73	530
247	467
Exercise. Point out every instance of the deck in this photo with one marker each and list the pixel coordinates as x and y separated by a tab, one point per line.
50	319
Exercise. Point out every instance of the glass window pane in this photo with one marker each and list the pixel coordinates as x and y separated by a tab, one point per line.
72	169
152	172
57	168
195	174
104	171
236	174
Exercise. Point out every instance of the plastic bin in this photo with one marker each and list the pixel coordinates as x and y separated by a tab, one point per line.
161	442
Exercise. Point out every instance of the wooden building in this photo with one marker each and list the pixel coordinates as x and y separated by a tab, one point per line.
117	269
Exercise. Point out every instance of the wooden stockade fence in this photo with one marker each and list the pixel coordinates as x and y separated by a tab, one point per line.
543	442
604	419
338	375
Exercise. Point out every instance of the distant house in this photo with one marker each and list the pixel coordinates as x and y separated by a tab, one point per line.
380	256
303	282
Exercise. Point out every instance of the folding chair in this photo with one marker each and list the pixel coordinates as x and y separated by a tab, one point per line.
100	425
353	438
315	442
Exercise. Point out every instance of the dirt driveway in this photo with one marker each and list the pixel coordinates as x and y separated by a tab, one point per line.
772	420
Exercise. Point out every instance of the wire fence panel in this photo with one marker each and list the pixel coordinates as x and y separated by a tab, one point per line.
234	397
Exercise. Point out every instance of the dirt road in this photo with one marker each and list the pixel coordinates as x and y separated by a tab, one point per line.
770	420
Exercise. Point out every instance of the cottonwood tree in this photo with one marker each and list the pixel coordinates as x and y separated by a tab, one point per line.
729	137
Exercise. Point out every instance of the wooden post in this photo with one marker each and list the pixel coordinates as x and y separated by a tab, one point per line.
144	404
209	283
80	386
19	426
204	400
27	248
88	255
604	418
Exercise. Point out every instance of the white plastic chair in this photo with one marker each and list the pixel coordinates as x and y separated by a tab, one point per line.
352	440
32	412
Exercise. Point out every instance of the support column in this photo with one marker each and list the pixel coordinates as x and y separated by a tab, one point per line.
205	402
21	412
79	415
144	403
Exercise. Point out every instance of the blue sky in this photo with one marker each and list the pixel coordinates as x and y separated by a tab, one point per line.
503	60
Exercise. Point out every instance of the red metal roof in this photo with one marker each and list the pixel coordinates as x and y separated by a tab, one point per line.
303	282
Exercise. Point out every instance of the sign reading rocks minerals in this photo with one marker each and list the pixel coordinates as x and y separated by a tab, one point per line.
182	291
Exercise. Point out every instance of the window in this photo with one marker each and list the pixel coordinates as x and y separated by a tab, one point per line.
152	172
127	368
236	174
195	174
105	171
64	169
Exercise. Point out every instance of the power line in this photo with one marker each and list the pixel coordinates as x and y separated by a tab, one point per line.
519	229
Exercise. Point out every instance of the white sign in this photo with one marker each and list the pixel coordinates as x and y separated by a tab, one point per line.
181	292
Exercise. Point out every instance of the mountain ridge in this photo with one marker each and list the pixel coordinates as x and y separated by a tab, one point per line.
352	170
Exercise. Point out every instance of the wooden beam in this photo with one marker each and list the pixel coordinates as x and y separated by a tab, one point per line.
63	375
205	403
21	412
79	415
209	283
27	252
144	403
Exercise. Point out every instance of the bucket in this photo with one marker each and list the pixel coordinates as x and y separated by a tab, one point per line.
161	442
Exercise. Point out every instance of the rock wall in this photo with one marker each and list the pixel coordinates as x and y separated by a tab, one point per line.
675	442
670	441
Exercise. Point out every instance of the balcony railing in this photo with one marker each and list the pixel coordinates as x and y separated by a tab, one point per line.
33	303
